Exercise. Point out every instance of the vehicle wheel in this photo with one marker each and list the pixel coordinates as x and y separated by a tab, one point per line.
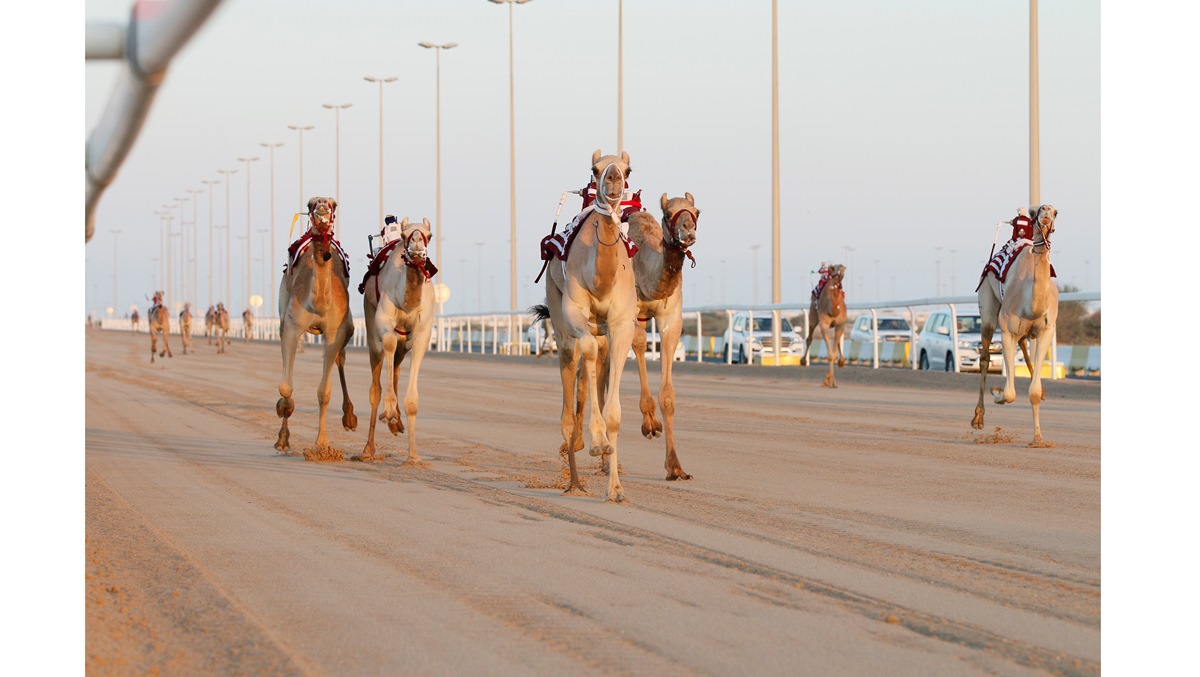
924	363
949	362
725	358
742	355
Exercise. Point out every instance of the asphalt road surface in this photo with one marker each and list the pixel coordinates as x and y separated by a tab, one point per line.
862	530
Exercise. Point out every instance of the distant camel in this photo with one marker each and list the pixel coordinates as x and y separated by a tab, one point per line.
828	311
1024	307
247	324
185	326
399	312
313	298
592	303
135	319
658	270
222	326
160	323
210	323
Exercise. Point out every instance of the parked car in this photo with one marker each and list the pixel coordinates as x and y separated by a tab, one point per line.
540	337
746	342
890	328
936	351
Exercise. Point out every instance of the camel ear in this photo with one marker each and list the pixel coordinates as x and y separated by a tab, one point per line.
690	200
312	202
625	158
332	204
596	156
427	227
404	223
663	202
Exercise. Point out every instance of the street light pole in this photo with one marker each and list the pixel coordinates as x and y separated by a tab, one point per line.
512	154
271	147
182	250
195	245
479	277
620	76
776	269
438	51
337	156
381	81
227	172
300	130
210	184
247	160
1035	178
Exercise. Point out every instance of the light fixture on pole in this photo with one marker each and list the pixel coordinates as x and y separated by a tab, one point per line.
272	147
247	160
512	154
380	81
227	172
337	156
210	184
195	260
438	51
300	130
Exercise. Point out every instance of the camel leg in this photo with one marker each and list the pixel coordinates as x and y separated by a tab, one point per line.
572	410
986	330
666	397
324	395
153	346
284	407
166	344
391	407
1041	350
420	341
812	324
827	335
1025	352
349	420
1009	343
620	336
838	335
368	452
651	427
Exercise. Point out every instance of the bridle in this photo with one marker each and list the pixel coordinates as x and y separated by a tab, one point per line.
671	227
408	261
1045	232
601	204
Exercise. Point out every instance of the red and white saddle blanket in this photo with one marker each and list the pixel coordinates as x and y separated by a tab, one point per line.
376	264
1003	260
557	245
297	248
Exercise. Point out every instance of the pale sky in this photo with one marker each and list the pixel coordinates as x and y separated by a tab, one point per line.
903	127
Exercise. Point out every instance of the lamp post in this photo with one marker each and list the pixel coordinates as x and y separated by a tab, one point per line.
1035	179
227	172
162	240
210	184
246	284
300	130
271	147
337	156
479	277
620	76
169	213
182	250
438	51
115	233
263	243
776	269
380	81
512	154
195	244
247	160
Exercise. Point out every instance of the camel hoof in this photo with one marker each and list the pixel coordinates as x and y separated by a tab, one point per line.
368	453
842	363
1040	443
617	496
350	421
977	421
323	453
414	462
678	475
575	490
651	430
281	444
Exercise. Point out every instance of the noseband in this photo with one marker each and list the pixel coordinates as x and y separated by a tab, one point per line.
601	204
672	227
408	259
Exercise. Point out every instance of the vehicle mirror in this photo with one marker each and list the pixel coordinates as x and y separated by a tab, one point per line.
945	331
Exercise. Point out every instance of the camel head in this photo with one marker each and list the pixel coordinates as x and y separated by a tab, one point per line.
322	211
836	273
610	173
1044	217
679	219
416	240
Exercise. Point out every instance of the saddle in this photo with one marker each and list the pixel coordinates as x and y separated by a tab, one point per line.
297	248
816	292
1000	264
376	264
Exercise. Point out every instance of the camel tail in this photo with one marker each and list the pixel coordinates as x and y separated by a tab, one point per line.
539	312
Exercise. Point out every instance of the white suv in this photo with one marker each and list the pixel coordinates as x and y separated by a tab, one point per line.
891	328
746	343
936	351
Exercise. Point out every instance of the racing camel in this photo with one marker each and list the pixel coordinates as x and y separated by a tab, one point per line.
313	298
658	271
210	323
590	299
1023	306
828	311
185	326
159	321
398	307
221	324
247	324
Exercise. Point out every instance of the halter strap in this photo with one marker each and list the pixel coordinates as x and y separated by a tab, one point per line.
673	228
